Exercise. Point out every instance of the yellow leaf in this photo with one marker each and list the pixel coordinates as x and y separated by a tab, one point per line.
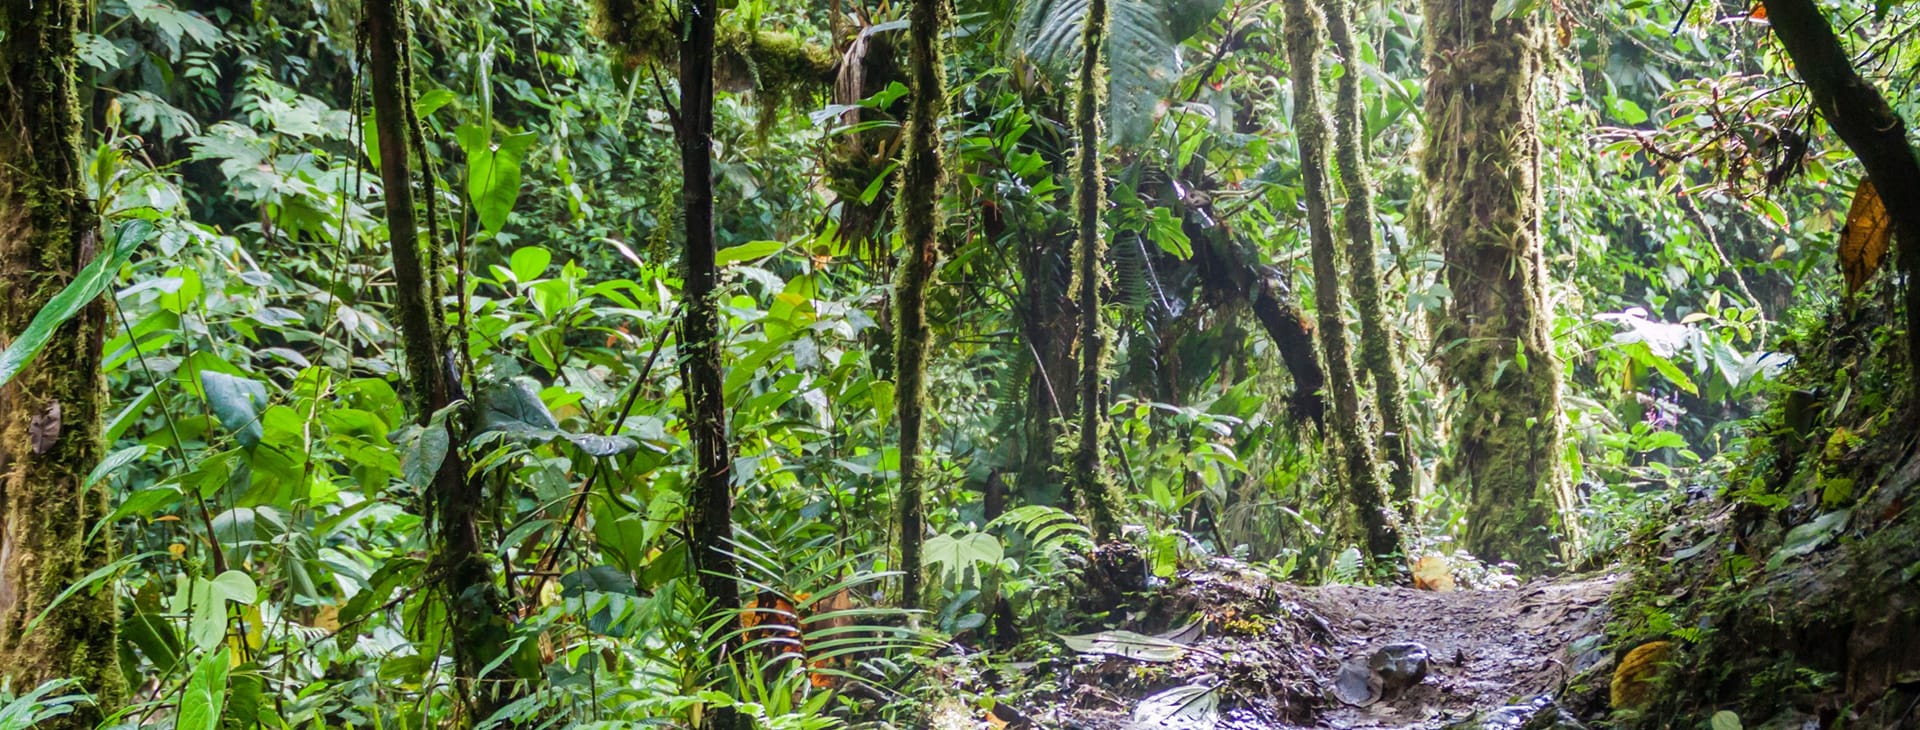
1864	239
1431	573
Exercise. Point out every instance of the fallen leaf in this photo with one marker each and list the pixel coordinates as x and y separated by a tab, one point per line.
1187	707
1864	238
1127	644
1431	573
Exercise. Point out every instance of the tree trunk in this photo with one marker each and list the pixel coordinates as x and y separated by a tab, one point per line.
710	505
919	223
1483	212
1872	129
1091	485
477	626
1377	359
1349	444
50	412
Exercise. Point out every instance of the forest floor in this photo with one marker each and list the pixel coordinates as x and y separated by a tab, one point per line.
1268	655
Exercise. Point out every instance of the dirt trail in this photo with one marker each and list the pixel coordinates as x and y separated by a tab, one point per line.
1271	653
1487	648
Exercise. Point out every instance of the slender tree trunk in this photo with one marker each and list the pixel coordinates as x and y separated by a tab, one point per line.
710	506
50	412
1483	212
1349	444
919	223
1872	129
477	625
1377	359
1048	328
1089	277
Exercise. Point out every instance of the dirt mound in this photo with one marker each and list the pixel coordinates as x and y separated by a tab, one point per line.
1236	651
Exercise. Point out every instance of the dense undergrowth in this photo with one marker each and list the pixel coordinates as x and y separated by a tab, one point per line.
1790	590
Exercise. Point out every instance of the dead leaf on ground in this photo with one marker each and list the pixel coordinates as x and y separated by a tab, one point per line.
1865	237
1431	573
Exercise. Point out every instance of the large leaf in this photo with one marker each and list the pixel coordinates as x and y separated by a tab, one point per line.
493	172
1139	647
204	702
515	407
1865	237
955	554
237	402
93	279
1142	54
1187	707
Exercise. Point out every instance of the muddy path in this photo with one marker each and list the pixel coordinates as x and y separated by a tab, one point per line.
1231	650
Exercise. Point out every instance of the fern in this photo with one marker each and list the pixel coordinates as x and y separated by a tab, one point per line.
1046	529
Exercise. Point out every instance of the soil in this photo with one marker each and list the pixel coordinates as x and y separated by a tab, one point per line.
1270	652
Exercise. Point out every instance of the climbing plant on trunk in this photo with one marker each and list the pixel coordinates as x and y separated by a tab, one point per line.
476	623
1377	352
919	222
1349	444
710	505
1089	477
1483	212
50	412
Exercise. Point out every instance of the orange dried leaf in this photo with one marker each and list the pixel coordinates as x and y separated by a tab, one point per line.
1759	12
1431	573
1865	237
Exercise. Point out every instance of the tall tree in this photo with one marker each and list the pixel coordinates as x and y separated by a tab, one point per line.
1871	128
919	223
50	412
1483	211
1377	351
1089	477
1349	443
710	506
476	622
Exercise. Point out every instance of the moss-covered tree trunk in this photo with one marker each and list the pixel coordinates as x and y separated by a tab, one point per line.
919	225
1090	483
50	412
1349	443
710	504
1377	352
477	624
1483	212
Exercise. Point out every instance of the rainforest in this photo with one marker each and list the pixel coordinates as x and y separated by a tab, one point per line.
959	364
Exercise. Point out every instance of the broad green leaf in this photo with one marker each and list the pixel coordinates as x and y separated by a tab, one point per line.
529	262
237	402
426	450
1187	707
113	462
92	280
955	554
493	172
204	702
747	252
1142	58
515	407
598	445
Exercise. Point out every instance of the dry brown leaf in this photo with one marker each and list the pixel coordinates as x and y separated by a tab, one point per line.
1864	239
1759	12
1431	573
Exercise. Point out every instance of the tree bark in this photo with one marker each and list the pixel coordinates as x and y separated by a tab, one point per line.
1349	444
710	505
50	412
1872	129
1483	212
1377	350
477	624
919	224
1089	477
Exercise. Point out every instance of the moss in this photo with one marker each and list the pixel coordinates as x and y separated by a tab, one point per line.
778	66
1091	483
921	180
1349	444
47	233
1482	210
1377	360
